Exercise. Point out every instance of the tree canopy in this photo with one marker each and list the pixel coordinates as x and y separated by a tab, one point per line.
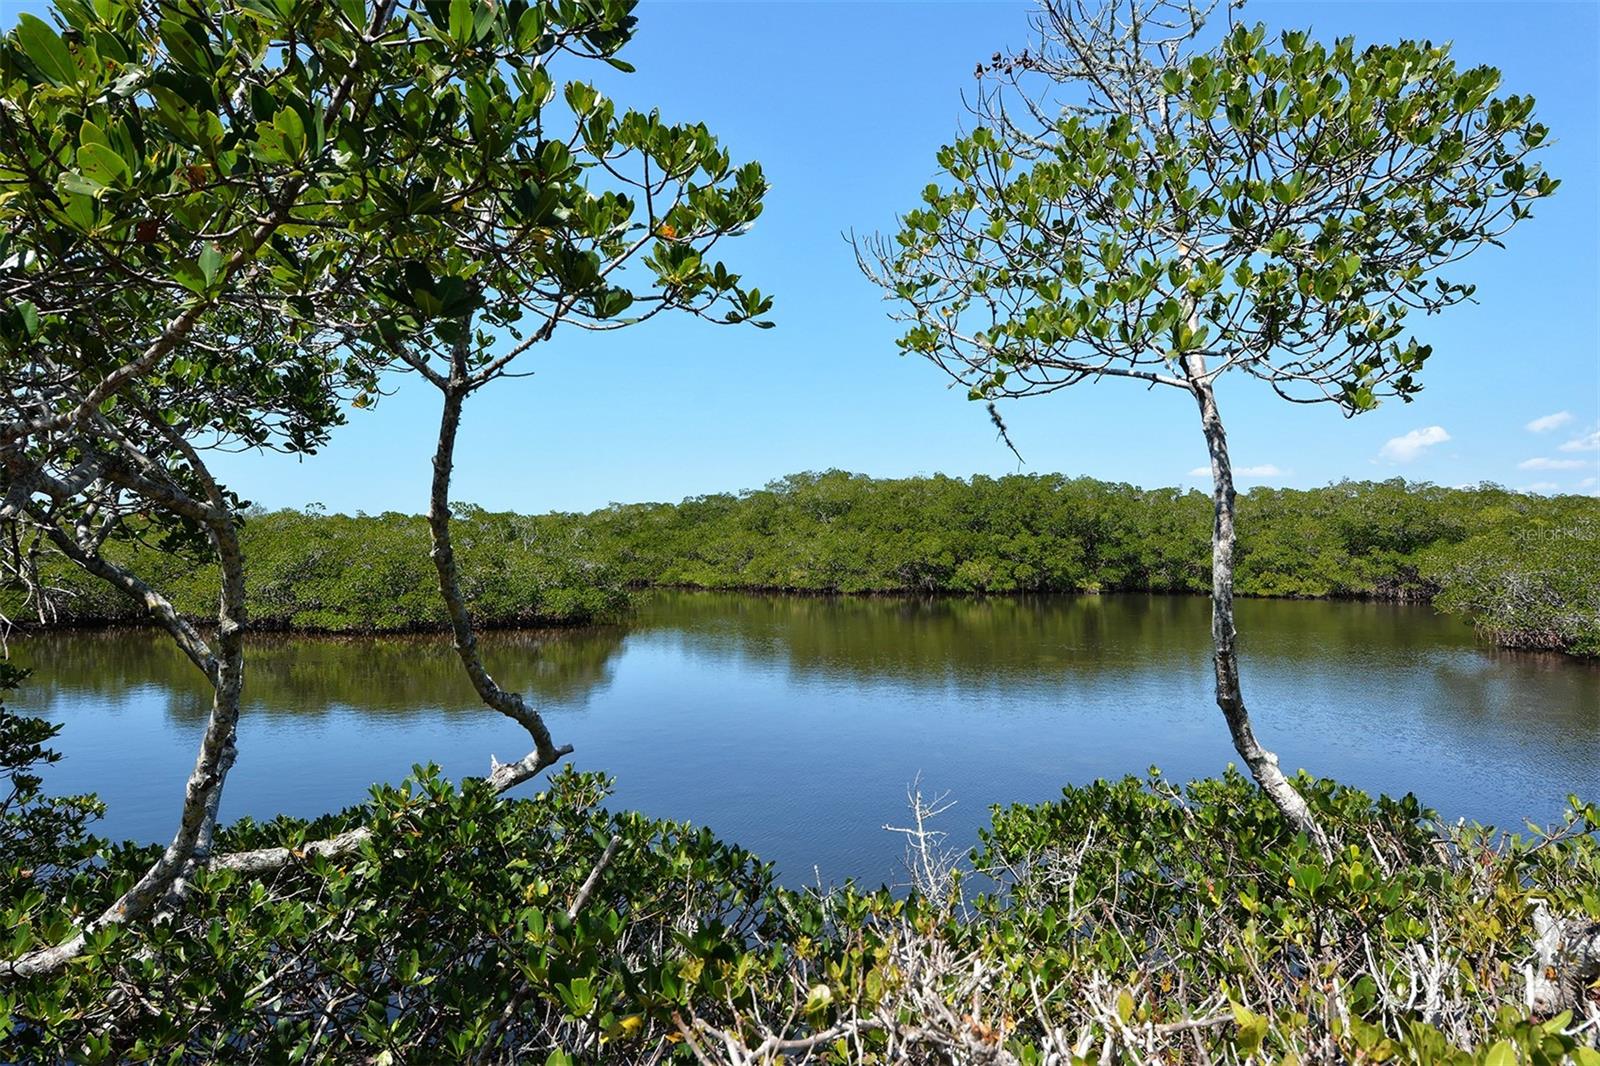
1281	206
223	219
1134	204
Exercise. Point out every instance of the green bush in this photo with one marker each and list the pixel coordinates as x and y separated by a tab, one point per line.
1128	918
43	839
1529	584
1513	564
363	574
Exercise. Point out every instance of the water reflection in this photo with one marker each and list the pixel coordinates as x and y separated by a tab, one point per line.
402	676
978	641
792	724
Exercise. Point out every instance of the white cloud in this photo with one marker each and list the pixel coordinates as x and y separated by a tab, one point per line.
1539	486
1546	423
1544	463
1404	449
1589	482
1263	470
1589	442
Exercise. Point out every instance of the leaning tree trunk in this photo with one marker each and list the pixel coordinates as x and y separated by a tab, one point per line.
502	776
511	704
1262	763
164	882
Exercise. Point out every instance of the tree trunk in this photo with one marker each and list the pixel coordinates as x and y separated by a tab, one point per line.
511	704
164	880
1566	960
502	776
1262	763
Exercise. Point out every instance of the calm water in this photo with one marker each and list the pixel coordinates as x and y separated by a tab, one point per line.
793	725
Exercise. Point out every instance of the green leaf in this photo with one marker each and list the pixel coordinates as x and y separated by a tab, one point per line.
612	302
482	20
293	131
100	164
73	182
269	146
210	262
461	21
530	26
1502	1054
48	52
89	133
187	273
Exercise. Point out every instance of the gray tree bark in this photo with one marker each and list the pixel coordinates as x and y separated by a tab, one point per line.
1566	961
502	776
1262	763
511	704
203	791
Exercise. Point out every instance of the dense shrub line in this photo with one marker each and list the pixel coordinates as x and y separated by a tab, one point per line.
362	574
1521	567
840	532
1126	921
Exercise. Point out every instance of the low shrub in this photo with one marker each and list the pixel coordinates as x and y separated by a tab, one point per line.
1126	921
1517	566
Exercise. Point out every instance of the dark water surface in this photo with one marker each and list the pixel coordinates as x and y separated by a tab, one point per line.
793	725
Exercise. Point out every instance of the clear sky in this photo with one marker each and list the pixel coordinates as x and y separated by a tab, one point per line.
845	105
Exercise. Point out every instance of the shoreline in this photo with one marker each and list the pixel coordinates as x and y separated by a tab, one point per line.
1501	642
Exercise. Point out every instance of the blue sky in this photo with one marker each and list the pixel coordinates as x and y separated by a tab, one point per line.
845	105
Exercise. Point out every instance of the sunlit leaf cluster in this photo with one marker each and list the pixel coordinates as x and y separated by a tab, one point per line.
1281	206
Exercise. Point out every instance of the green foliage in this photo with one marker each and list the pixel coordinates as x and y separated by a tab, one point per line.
221	220
1122	903
409	950
1281	206
172	168
1515	565
375	574
1178	890
838	532
1530	583
41	837
238	148
363	574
